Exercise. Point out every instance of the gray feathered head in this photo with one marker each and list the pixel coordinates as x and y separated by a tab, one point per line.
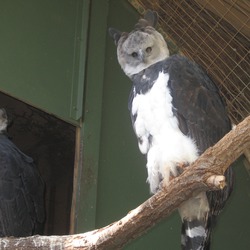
142	47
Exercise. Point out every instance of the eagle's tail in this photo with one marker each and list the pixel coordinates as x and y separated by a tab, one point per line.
195	235
196	231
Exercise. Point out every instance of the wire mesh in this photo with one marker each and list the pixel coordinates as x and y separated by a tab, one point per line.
200	32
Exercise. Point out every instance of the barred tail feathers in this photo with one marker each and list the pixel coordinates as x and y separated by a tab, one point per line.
195	235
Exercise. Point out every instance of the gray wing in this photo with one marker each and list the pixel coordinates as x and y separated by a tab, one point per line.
21	193
202	115
198	105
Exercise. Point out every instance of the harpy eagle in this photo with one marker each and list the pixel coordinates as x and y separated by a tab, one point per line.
177	113
22	211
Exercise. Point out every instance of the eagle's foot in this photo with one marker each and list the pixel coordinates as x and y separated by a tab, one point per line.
164	184
180	167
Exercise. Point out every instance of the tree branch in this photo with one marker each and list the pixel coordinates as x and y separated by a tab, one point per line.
204	174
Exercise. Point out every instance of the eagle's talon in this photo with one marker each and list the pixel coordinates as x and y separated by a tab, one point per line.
180	167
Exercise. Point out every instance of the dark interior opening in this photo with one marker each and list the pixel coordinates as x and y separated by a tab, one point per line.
51	143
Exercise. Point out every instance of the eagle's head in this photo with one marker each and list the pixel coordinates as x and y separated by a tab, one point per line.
141	47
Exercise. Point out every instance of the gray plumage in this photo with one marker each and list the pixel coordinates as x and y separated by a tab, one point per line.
22	211
177	113
141	48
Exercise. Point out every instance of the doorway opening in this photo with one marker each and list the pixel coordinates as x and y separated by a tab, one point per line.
51	143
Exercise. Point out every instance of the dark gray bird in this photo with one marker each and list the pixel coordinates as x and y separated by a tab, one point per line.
177	113
22	211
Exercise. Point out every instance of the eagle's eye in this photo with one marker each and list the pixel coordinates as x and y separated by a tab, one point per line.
134	54
148	49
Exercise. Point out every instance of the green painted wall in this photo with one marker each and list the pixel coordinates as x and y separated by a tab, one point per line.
90	131
41	54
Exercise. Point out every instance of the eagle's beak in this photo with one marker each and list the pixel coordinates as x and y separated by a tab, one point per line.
141	55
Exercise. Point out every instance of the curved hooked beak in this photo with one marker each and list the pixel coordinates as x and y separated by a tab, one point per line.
141	55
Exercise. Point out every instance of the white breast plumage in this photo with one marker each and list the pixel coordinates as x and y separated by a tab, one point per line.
158	133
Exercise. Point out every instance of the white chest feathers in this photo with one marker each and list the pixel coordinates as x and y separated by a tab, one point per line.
159	135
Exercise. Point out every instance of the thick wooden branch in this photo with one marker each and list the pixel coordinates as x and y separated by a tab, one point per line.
199	176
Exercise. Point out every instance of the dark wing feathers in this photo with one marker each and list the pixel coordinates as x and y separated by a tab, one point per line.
205	120
21	192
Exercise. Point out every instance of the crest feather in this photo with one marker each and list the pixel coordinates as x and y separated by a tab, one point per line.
150	19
